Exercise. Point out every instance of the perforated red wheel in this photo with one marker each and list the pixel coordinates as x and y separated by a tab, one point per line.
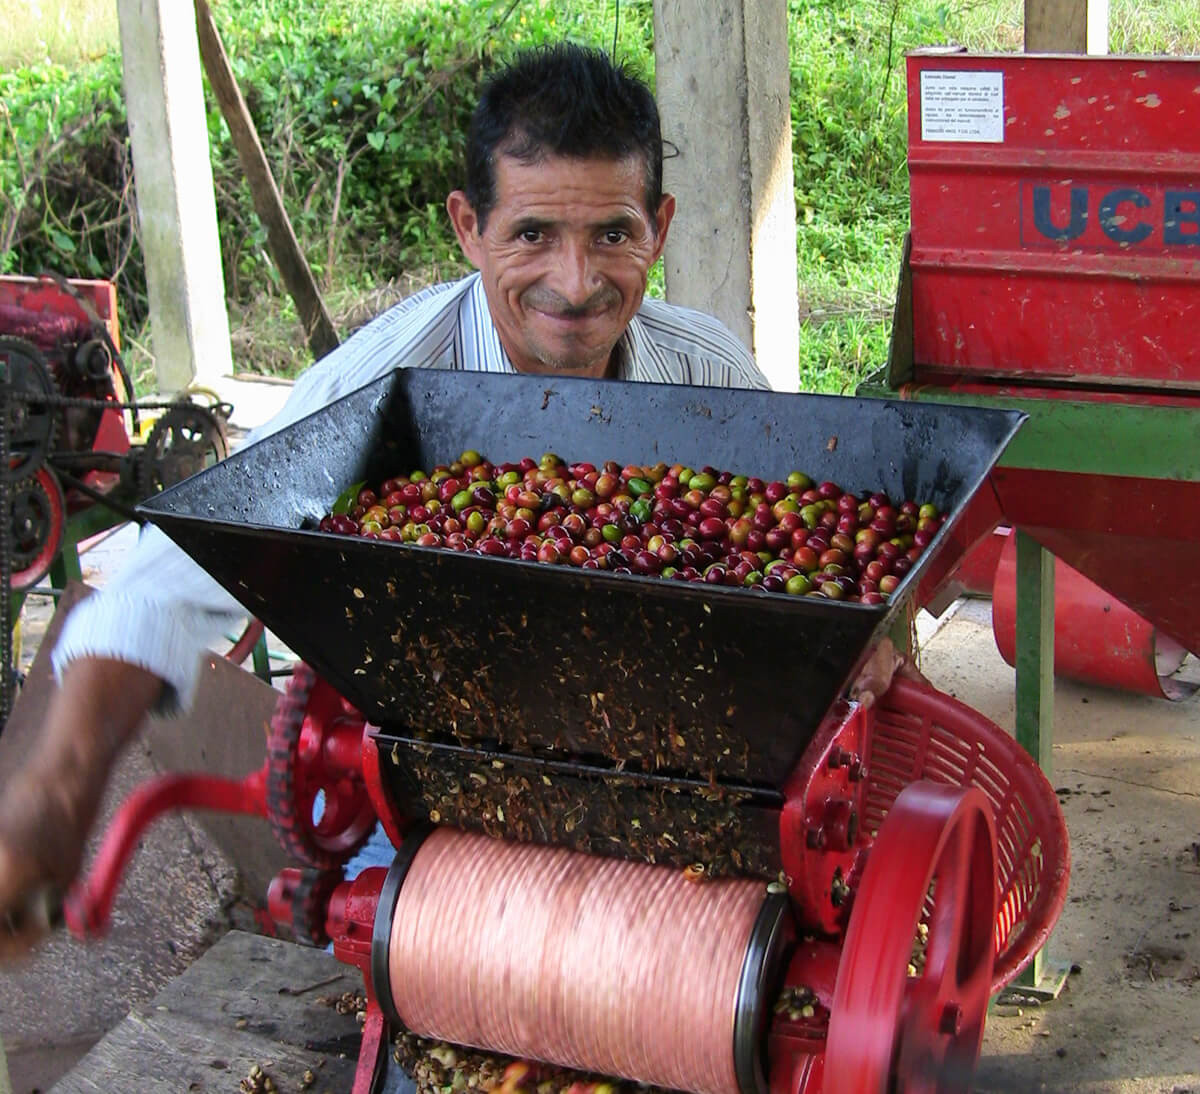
317	800
890	1029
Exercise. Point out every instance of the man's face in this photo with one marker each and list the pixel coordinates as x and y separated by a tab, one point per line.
564	257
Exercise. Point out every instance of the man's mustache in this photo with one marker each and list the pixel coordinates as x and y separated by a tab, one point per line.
549	302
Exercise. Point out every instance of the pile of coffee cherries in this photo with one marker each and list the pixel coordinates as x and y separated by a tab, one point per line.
790	536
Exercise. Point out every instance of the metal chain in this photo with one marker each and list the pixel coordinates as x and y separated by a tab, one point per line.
79	402
6	620
82	402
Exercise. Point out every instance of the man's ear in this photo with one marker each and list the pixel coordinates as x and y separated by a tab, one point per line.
466	225
662	221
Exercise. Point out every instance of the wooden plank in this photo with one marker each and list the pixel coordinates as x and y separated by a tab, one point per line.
1056	26
177	212
248	1001
285	250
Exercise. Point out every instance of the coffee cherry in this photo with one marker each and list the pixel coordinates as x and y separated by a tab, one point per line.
783	536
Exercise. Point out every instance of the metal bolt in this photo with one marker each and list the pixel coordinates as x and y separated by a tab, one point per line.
838	757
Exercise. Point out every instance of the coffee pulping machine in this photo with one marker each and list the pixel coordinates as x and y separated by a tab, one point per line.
639	830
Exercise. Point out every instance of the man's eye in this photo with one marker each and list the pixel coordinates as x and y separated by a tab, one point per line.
615	235
530	235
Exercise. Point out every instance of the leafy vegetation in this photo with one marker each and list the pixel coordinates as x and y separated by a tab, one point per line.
361	106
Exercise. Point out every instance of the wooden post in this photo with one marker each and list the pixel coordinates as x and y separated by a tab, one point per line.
177	214
1051	26
1066	26
285	250
721	70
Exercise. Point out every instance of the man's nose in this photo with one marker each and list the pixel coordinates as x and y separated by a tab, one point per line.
577	277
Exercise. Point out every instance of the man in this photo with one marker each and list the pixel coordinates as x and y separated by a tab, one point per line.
563	216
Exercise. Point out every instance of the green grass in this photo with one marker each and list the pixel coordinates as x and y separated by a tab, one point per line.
62	31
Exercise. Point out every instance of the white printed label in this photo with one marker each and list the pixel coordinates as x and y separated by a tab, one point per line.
962	106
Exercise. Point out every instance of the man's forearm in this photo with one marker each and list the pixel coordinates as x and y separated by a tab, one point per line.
95	711
48	806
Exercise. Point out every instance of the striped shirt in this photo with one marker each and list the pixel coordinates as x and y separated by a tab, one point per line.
162	612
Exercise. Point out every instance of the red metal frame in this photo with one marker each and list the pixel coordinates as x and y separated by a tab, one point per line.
818	825
1138	538
1097	639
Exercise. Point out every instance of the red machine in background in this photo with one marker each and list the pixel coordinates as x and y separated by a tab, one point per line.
74	456
1055	211
1099	641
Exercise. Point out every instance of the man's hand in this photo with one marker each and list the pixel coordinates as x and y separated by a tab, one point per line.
48	806
885	663
41	844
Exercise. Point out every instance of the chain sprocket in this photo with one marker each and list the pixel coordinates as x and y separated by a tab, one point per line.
30	399
320	813
186	439
38	522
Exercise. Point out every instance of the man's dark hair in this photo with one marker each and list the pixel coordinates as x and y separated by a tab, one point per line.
561	100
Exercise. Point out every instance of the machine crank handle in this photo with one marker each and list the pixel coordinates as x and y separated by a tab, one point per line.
88	903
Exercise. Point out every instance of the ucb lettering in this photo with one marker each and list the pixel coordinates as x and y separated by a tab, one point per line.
1181	217
1126	215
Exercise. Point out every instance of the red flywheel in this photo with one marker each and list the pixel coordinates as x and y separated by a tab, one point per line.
916	968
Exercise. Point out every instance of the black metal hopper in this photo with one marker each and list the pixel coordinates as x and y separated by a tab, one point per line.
647	674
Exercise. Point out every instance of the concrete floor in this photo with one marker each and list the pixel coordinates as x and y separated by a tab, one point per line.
1127	769
180	894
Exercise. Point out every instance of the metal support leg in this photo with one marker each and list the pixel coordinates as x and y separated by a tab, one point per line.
66	567
1043	978
1035	650
262	659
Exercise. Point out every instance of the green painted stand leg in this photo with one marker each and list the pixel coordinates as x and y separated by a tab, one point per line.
66	567
1043	978
1035	650
262	659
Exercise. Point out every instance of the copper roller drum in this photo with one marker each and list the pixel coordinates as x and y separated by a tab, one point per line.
601	965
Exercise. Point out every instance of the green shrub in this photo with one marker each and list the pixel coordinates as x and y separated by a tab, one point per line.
361	107
66	181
